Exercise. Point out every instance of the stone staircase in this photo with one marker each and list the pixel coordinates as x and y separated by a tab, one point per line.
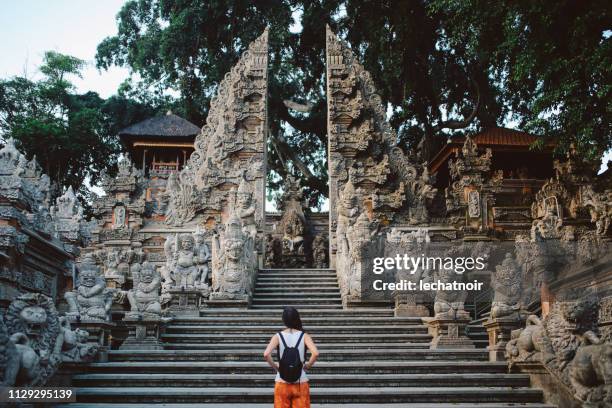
369	358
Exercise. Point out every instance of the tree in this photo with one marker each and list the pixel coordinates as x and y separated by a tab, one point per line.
443	66
73	136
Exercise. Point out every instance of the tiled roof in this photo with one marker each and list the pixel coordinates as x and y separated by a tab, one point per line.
168	125
503	136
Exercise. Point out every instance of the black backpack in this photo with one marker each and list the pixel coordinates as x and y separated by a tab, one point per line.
290	365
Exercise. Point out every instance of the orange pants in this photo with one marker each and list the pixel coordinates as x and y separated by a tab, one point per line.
291	395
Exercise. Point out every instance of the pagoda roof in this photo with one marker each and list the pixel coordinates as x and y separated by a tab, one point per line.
168	125
497	138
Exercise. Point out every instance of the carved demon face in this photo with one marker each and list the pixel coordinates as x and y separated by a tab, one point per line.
88	278
147	276
243	200
35	318
233	249
187	243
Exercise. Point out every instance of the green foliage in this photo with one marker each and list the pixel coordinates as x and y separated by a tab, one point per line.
72	135
544	65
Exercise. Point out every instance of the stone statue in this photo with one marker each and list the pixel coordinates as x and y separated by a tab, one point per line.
348	210
185	269
319	252
91	300
232	262
246	207
450	304
273	252
361	250
33	324
203	256
507	282
75	347
567	344
144	298
119	217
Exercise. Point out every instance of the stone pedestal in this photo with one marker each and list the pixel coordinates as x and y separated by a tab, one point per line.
499	330
408	306
144	332
224	300
448	333
99	332
186	302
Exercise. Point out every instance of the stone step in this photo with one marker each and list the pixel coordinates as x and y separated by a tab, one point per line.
321	395
296	290
323	367
326	355
316	380
296	273
262	280
304	313
337	405
216	338
315	330
313	301
307	321
314	295
297	306
418	343
298	284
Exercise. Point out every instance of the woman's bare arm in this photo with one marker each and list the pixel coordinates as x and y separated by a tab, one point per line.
268	353
314	352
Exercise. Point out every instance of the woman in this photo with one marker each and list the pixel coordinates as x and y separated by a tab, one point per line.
296	394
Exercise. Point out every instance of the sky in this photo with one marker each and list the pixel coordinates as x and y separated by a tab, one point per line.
28	28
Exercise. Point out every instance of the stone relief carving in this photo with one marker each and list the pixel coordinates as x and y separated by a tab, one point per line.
233	264
144	298
363	149
75	345
230	150
293	226
91	300
507	282
319	252
567	343
187	259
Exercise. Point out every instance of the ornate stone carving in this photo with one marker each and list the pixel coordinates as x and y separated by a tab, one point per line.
75	345
233	265
363	148
319	252
507	282
9	359
293	226
567	344
230	149
34	327
144	298
91	300
187	258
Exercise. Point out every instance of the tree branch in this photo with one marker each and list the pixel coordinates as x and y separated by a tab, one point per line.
460	124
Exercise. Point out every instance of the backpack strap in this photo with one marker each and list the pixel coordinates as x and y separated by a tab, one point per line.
280	334
298	341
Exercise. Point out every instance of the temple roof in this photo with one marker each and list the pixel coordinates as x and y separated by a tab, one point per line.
496	138
168	125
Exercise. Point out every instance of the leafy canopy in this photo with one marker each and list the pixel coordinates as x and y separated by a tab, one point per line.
442	66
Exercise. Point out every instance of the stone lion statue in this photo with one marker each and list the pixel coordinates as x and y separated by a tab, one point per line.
567	344
33	324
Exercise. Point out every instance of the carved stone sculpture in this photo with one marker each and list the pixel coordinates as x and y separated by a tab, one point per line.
233	267
203	258
567	344
292	226
9	359
144	298
75	346
319	252
187	258
91	300
507	282
33	323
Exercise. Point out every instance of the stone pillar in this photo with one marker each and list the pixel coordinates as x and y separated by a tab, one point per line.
448	333
144	333
499	330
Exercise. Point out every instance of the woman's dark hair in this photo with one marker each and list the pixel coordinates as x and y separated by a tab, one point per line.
291	318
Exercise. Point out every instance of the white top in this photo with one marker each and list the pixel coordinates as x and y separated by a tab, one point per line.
291	339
